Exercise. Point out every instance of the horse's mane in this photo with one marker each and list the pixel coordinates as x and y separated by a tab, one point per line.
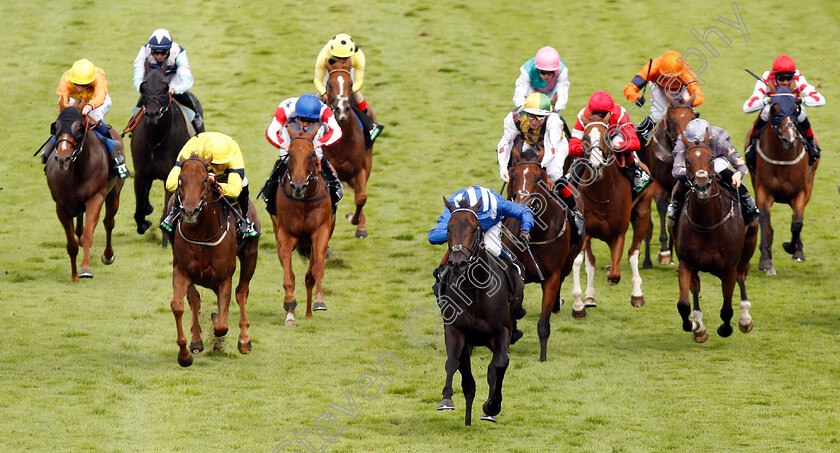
69	114
463	203
528	155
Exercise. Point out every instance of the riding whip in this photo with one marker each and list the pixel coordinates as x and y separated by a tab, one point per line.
539	272
42	146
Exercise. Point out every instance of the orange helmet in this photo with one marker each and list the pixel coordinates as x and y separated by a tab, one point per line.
670	64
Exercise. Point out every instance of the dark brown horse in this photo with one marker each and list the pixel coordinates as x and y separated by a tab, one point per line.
551	236
781	174
349	156
159	132
304	219
659	158
609	209
204	253
711	237
474	305
77	175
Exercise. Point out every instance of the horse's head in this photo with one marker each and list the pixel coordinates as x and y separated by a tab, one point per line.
678	115
464	235
699	166
303	162
596	145
154	95
69	135
339	87
193	186
526	175
783	112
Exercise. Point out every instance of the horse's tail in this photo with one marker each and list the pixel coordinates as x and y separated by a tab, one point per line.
305	251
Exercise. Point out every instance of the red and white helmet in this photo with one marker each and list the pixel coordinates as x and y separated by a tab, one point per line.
784	63
547	59
601	101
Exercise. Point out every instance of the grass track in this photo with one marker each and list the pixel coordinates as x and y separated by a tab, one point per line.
91	366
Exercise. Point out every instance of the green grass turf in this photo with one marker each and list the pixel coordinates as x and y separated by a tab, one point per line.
92	365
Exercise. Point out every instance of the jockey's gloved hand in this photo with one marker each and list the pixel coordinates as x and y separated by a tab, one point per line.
736	179
799	101
525	237
87	109
640	101
503	173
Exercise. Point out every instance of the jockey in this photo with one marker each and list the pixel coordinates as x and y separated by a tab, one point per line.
540	129
341	47
227	170
164	54
545	73
723	154
308	111
668	73
85	84
622	137
784	73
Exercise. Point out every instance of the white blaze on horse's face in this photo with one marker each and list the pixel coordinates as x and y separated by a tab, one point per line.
524	180
596	157
342	102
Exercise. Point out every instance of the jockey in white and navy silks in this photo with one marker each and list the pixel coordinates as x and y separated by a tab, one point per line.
494	209
328	133
545	73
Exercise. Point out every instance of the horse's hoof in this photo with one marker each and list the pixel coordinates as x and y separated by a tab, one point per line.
106	260
590	302
185	362
362	233
579	314
799	256
665	258
700	337
85	273
724	330
647	265
789	247
771	272
637	301
319	306
747	328
487	418
765	265
142	227
291	323
492	408
517	334
446	404
244	347
197	347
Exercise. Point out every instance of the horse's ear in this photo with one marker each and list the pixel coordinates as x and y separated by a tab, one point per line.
181	158
708	135
448	205
515	155
77	128
144	87
208	161
690	100
164	87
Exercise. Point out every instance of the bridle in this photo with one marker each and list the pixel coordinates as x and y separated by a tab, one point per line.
224	226
713	194
478	233
341	97
77	143
312	176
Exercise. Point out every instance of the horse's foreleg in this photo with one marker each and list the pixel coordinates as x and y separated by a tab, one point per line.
112	204
72	245
578	307
728	286
360	192
142	207
496	372
455	343
764	202
637	299
285	244
194	298
589	263
220	322
550	290
647	263
616	251
467	382
315	275
92	209
683	305
794	247
664	242
180	283
248	263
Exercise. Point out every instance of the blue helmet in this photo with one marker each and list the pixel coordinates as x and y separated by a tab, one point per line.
308	106
160	40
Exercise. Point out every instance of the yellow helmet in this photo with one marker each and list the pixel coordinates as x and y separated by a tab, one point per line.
82	73
220	146
342	46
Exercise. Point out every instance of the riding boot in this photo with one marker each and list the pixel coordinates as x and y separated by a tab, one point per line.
808	133
748	206
114	147
168	223
336	191
639	179
48	149
749	153
515	273
269	189
245	228
644	129
677	199
187	101
561	188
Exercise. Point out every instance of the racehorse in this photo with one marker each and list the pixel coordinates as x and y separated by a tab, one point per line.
608	211
711	237
781	174
159	132
304	219
204	252
551	245
659	157
349	156
77	175
474	315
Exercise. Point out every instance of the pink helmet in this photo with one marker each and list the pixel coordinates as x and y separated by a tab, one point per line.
547	59
601	101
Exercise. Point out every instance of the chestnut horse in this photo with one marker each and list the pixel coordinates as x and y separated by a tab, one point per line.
304	219
711	237
474	305
159	131
204	252
77	175
349	156
609	209
659	157
781	174
551	245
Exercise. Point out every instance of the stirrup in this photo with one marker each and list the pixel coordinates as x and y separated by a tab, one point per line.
246	230
375	131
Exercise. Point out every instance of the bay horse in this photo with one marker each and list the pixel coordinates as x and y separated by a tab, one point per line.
304	219
204	253
711	237
474	305
159	131
349	156
77	175
608	210
550	244
658	156
781	174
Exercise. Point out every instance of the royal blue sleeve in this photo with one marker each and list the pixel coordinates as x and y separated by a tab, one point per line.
438	234
510	209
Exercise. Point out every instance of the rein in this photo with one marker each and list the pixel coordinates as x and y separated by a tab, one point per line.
133	121
477	231
313	176
694	225
224	221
